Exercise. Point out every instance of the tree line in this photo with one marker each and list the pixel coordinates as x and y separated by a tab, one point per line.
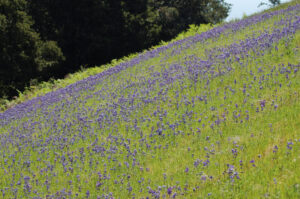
40	39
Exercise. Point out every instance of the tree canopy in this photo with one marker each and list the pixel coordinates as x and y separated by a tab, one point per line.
23	54
271	3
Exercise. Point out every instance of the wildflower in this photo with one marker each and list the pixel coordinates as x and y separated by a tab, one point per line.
275	149
252	161
170	190
262	104
186	170
289	145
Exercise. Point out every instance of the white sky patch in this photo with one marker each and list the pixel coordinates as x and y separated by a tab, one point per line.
248	7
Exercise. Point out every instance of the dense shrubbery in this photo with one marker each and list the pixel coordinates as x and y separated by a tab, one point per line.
23	54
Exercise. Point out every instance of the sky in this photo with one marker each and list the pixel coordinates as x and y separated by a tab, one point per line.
240	7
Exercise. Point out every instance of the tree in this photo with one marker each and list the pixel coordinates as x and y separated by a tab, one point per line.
271	3
88	31
23	54
175	16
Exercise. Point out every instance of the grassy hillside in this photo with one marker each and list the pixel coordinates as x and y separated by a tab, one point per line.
39	89
214	115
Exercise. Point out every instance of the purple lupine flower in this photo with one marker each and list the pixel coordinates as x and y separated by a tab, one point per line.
253	163
186	170
174	195
275	149
289	145
170	190
262	104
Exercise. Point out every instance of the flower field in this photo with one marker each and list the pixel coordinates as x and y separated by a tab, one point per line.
209	116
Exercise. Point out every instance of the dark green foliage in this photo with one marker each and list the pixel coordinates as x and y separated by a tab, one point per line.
92	32
88	32
23	55
173	16
271	3
275	2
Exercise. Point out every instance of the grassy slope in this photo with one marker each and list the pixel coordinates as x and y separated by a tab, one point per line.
43	88
243	116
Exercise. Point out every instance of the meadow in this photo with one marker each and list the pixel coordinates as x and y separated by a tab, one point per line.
213	115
